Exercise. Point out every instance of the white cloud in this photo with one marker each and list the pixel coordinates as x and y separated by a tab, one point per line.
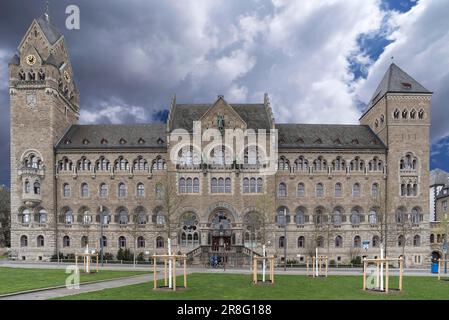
420	47
113	114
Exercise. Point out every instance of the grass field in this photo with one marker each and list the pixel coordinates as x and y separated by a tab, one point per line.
287	287
21	279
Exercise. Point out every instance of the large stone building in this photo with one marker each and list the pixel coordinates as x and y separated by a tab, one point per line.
341	188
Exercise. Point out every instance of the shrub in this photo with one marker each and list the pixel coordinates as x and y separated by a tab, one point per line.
332	263
140	257
357	260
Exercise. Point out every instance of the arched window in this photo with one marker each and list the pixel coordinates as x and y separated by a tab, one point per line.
421	114
252	185
319	190
40	241
67	215
319	164
404	114
432	238
121	164
337	217
356	190
375	190
357	242
372	217
338	190
283	164
376	241
160	242
375	165
301	190
396	114
401	241
182	185
259	186
416	216
221	187
408	162
27	186
355	217
121	190
140	242
24	241
84	164
338	164
103	164
320	218
189	185
141	216
26	216
37	188
84	190
282	216
282	190
122	242
140	190
66	241
400	215
299	217
301	242
42	216
413	114
227	185
301	164
338	242
84	241
282	242
140	164
416	241
196	185
66	190
159	164
123	217
245	185
103	190
357	164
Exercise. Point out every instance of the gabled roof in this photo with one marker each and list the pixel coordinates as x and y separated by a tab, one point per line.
254	115
327	136
439	177
396	80
53	61
50	30
134	135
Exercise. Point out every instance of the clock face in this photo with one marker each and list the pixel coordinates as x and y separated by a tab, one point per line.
66	76
31	59
31	100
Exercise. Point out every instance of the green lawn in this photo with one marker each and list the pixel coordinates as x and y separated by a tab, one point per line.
21	279
287	287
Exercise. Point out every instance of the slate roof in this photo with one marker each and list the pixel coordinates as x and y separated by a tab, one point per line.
254	115
53	61
327	136
396	80
50	30
130	134
439	177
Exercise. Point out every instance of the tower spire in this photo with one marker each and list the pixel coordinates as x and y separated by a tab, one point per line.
47	11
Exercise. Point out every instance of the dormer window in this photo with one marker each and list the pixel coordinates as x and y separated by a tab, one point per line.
319	141
355	141
160	141
122	141
85	141
141	141
300	140
104	141
337	141
67	141
406	85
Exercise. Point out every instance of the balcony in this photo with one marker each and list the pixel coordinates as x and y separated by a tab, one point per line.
31	172
31	199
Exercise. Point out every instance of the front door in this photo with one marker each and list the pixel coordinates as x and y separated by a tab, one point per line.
215	243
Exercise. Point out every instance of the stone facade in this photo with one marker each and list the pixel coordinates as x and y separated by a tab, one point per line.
341	187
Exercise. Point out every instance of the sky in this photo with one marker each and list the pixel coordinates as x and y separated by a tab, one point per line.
319	61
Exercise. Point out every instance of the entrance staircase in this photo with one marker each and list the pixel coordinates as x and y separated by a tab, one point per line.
235	256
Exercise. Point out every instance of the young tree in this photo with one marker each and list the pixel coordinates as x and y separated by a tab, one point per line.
265	208
5	216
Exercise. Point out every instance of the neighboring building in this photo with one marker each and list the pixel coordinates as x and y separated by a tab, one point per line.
441	204
438	179
333	182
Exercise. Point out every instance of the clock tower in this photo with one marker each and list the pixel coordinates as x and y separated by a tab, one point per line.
44	102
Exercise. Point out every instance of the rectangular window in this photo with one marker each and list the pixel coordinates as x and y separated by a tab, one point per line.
444	205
